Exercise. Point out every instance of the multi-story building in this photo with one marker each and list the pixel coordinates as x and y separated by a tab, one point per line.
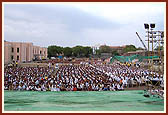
144	53
39	52
138	52
119	49
19	51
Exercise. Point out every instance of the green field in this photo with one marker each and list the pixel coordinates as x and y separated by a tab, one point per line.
81	101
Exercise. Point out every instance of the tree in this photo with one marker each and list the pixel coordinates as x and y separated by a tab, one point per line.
77	51
54	51
67	51
105	49
80	51
129	48
98	53
115	53
87	51
140	48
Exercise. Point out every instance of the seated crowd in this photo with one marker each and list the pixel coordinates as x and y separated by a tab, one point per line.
81	77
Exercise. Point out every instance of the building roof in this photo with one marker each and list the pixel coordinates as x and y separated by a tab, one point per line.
115	46
19	42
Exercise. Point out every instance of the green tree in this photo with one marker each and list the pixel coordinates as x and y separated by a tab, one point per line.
115	53
77	51
105	49
129	48
54	51
140	48
86	51
98	53
67	51
80	51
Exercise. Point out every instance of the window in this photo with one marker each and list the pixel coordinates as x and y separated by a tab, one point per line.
11	57
17	57
40	52
17	50
44	52
12	49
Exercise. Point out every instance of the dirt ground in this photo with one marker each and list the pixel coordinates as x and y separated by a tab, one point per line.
135	88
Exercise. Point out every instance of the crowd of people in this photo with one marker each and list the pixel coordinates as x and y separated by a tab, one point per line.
79	77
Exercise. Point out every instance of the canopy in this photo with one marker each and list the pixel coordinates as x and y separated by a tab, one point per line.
124	59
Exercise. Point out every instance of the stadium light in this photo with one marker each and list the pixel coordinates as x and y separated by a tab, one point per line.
162	34
152	25
146	26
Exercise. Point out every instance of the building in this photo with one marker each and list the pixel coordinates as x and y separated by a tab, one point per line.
109	51
138	52
119	49
22	52
144	53
39	52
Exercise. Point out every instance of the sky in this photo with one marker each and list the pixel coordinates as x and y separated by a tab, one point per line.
86	24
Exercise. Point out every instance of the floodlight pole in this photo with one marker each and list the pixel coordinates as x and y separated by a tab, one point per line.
148	49
161	57
152	53
159	54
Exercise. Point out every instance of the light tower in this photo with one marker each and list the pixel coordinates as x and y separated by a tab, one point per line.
155	39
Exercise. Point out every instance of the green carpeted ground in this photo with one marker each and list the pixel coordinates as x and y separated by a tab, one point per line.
81	101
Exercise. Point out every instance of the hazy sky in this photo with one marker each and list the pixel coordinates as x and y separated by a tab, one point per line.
87	24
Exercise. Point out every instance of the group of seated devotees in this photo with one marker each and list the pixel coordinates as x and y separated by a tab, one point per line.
70	77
